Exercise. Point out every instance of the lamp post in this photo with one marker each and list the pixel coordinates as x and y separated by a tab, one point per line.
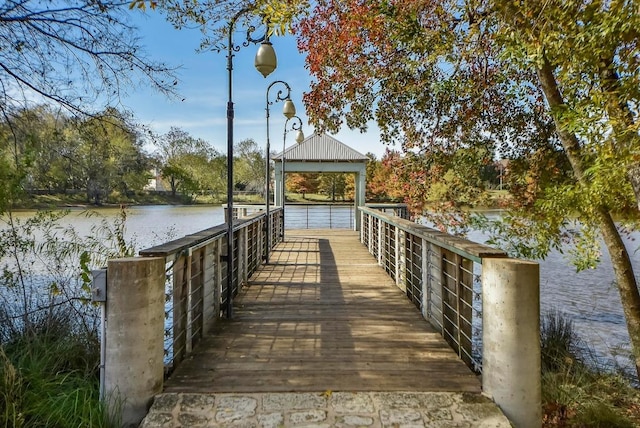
265	62
288	110
299	138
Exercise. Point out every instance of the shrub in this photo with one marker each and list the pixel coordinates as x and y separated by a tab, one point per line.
575	393
49	378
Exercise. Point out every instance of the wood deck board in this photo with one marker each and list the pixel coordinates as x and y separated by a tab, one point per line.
322	316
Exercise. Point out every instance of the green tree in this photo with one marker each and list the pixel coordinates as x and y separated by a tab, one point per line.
109	155
184	162
35	136
334	185
216	178
57	153
250	166
76	55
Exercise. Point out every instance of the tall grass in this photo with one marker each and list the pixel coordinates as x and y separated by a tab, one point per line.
49	347
575	391
49	378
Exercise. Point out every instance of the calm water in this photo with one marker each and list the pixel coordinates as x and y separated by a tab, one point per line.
589	298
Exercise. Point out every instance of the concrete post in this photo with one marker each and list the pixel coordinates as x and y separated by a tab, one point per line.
511	338
134	366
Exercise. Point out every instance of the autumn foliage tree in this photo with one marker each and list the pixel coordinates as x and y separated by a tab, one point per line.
554	86
187	163
302	183
382	180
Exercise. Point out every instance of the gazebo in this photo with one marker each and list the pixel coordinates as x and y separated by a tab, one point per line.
322	153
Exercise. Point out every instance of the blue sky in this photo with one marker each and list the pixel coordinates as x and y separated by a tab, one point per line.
203	85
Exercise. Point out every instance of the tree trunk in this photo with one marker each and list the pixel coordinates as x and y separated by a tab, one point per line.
174	186
625	278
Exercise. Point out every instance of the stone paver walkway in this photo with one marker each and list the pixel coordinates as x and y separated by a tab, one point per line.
328	409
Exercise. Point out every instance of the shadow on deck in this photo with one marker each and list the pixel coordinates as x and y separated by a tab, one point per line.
322	316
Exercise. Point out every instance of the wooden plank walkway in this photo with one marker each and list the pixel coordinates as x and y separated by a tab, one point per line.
322	316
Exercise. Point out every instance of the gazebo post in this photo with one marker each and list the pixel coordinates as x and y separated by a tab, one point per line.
360	192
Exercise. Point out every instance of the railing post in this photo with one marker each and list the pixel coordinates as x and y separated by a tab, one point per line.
200	296
398	251
450	299
189	305
283	222
243	259
134	366
180	279
437	287
370	234
380	242
511	338
262	241
425	305
465	308
209	287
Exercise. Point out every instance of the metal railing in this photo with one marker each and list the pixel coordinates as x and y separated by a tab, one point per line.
196	278
439	273
311	216
315	216
399	210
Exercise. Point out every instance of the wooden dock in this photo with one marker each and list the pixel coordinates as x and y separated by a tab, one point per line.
322	316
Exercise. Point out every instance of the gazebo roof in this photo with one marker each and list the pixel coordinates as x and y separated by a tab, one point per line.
321	148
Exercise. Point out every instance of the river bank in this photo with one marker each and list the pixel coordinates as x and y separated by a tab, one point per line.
47	201
52	201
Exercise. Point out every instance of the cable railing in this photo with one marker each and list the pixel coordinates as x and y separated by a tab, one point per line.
316	216
307	216
196	279
439	273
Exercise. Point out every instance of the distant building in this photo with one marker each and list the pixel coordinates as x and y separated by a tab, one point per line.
502	166
155	183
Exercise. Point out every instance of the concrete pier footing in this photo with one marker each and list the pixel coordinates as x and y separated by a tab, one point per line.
134	365
511	338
